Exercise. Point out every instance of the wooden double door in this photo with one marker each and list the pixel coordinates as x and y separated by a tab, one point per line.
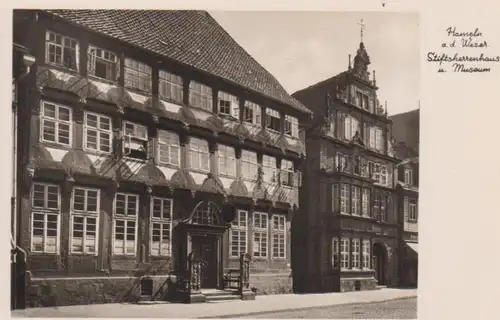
206	247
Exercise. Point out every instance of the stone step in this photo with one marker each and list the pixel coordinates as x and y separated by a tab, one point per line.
381	287
223	297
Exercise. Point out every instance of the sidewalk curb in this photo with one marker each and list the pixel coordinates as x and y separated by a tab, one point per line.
235	315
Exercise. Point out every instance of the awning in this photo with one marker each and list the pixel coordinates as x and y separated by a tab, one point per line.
413	246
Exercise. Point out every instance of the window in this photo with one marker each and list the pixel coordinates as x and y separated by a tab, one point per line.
56	123
355	253
206	213
371	135
378	139
269	169
84	220
376	206
199	155
61	50
273	121
356	200
126	211
335	253
291	126
137	75
97	132
383	175
279	229
135	140
366	254
200	96
362	100
383	208
344	253
252	113
260	234
161	226
229	105
227	160
412	206
342	162
375	171
249	164
365	202
351	126
344	198
408	176
102	63
170	87
287	173
168	148
239	234
45	226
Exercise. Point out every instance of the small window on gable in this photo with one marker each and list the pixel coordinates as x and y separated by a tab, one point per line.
102	63
229	105
273	121
135	141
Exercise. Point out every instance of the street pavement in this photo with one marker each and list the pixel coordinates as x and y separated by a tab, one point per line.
236	308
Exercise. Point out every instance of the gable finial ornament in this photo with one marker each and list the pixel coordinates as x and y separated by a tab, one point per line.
362	25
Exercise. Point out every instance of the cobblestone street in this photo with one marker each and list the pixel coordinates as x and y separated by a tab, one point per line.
395	309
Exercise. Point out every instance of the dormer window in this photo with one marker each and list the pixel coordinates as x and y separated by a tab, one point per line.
61	50
135	141
252	113
273	121
291	126
137	75
102	64
228	105
408	176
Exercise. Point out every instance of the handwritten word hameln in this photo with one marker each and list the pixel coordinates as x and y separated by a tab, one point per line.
452	32
443	57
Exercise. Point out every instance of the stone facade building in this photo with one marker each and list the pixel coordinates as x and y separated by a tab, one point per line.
153	147
348	234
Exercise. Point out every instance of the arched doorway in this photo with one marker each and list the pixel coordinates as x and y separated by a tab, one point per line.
379	262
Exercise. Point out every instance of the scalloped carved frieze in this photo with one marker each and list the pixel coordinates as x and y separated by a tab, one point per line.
78	162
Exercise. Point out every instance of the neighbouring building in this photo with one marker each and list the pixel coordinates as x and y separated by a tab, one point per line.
348	234
156	157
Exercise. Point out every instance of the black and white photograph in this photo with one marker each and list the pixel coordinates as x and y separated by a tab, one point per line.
215	164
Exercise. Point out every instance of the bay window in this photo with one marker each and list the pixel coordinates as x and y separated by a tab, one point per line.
45	218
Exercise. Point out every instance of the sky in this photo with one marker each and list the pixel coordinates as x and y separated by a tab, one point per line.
303	48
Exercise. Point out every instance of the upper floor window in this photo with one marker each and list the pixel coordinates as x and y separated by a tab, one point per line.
135	144
199	154
97	132
269	169
102	63
227	160
260	229
287	173
362	100
365	203
252	113
273	121
366	254
344	198
61	50
412	210
408	176
291	126
168	148
161	226
249	164
228	105
356	200
45	218
84	220
138	75
200	96
170	87
351	126
56	123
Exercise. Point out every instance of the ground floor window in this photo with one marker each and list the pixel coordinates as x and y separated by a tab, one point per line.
366	254
45	232
355	253
260	227
238	237
124	242
335	253
279	241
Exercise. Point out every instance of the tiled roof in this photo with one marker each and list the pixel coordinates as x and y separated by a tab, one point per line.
190	37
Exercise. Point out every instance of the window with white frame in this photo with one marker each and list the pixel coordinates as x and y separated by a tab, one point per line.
408	176
97	130
383	175
362	100
260	227
56	124
335	253
138	75
45	218
365	204
287	173
412	209
375	171
249	164
252	113
383	208
161	226
135	140
228	104
239	237
199	154
378	139
170	87
344	253
291	126
169	149
200	96
376	206
227	160
273	120
351	126
126	209
269	169
342	162
371	137
366	254
61	50
356	249
279	233
344	198
102	63
356	200
85	220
